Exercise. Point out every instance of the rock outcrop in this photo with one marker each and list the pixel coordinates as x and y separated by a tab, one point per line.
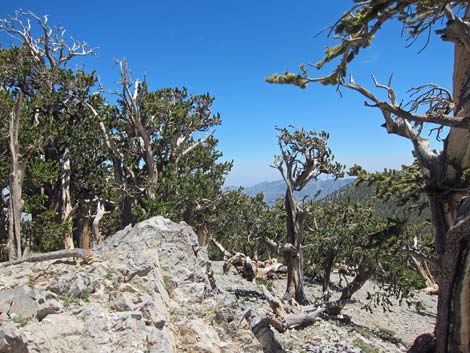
150	289
145	291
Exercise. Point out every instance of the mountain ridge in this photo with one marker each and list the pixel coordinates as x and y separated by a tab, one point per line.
273	190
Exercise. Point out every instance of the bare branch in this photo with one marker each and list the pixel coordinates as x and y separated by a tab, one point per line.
50	46
196	144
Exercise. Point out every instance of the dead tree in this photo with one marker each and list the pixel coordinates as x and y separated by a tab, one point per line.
304	157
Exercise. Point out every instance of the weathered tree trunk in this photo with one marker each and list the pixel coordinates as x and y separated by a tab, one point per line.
453	321
150	165
453	313
120	170
17	168
330	260
84	232
66	202
262	331
202	235
144	138
126	210
363	274
100	211
294	259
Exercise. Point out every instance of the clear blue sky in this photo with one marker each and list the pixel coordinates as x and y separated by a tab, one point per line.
226	48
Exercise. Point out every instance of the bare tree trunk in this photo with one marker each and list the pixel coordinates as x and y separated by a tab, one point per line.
330	260
425	273
84	232
202	235
294	259
100	211
17	168
262	331
363	274
145	143
453	313
126	210
149	162
66	202
120	170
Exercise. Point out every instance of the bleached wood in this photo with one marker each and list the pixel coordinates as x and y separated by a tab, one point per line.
84	254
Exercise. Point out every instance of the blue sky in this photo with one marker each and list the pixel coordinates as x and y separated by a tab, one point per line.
227	48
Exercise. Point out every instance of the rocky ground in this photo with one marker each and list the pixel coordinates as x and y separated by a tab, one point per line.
148	290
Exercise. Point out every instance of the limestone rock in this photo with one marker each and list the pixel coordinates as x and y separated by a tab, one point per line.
24	304
11	339
146	291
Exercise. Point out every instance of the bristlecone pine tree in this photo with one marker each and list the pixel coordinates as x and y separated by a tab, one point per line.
445	172
304	157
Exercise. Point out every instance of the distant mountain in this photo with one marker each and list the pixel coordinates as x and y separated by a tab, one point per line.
274	190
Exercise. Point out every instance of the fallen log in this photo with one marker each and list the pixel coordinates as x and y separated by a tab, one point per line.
263	333
219	246
295	320
249	268
270	267
85	254
287	315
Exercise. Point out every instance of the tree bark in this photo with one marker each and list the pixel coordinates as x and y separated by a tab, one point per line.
294	259
265	336
330	260
66	202
126	210
17	168
363	274
120	171
100	211
84	232
453	320
453	314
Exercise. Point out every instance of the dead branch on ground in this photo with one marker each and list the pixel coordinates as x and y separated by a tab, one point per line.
85	254
247	267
